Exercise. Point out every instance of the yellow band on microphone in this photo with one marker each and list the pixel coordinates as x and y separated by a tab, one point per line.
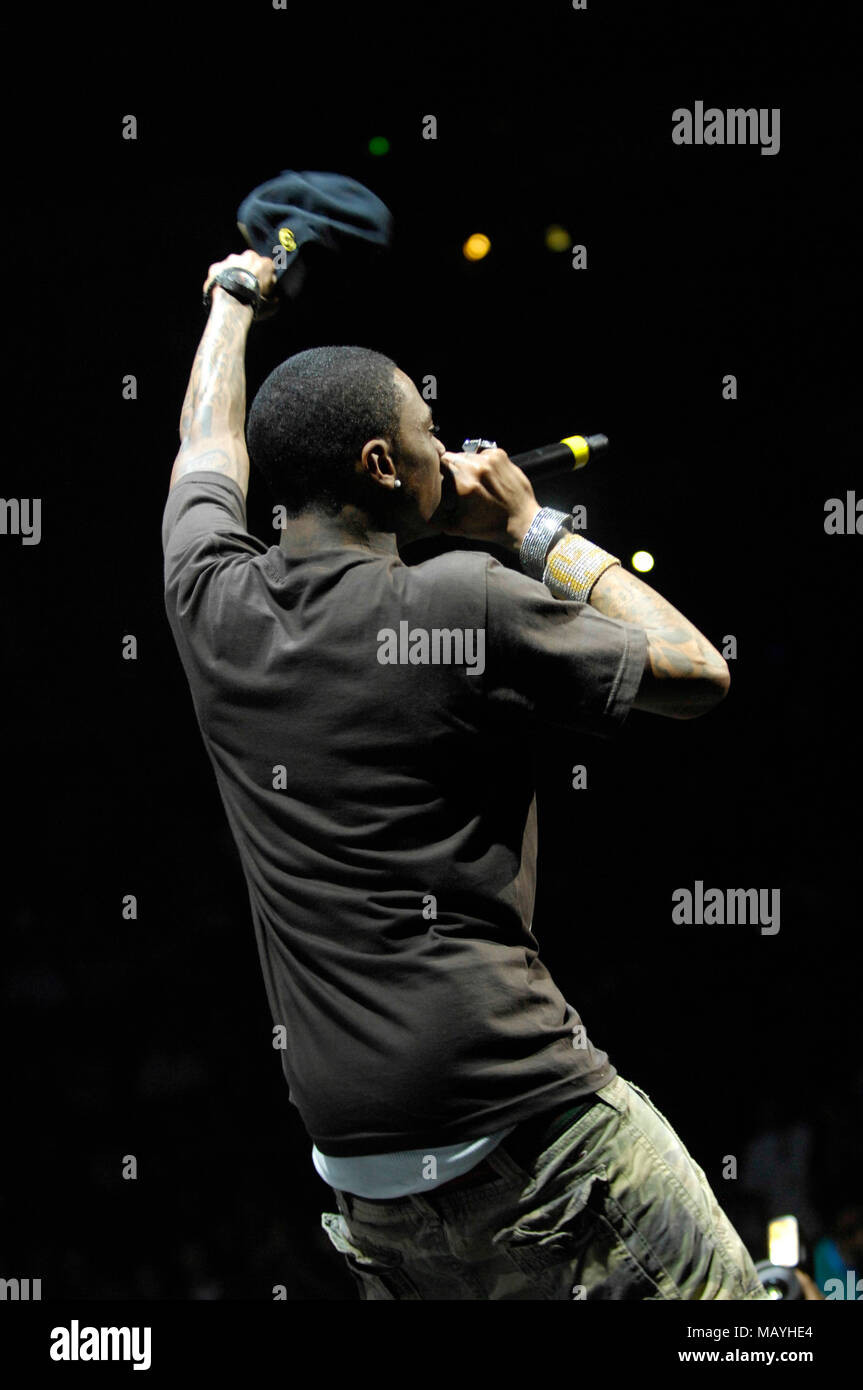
579	447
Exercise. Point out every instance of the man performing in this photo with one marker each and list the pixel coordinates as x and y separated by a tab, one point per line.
373	728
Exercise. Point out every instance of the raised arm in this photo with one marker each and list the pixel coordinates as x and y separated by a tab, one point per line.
212	424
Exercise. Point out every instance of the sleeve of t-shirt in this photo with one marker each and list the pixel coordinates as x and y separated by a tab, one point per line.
203	529
556	662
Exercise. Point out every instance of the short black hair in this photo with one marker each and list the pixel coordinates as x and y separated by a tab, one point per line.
312	416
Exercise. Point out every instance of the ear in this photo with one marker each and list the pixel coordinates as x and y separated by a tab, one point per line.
376	460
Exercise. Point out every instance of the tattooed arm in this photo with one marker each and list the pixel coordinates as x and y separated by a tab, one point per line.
212	424
490	499
684	675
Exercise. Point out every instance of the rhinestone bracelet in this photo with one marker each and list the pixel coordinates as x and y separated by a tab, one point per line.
573	567
538	539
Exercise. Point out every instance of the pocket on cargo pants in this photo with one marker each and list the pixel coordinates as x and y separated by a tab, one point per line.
667	1197
575	1242
618	1209
376	1271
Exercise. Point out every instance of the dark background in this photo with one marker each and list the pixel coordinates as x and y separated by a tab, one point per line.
153	1037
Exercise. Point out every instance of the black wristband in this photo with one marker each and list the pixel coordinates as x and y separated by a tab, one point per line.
240	283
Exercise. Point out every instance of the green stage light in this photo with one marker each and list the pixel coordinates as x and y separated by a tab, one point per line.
557	238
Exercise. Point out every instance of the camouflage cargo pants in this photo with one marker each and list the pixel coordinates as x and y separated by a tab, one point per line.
614	1208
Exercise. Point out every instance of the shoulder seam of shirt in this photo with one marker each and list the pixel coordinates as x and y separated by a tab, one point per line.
213	472
195	474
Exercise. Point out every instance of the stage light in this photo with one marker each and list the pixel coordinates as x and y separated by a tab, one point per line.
557	238
476	247
379	144
642	561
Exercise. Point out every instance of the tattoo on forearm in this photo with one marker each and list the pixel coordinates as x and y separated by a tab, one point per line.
675	648
216	395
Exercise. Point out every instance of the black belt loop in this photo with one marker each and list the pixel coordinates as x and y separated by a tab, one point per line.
533	1136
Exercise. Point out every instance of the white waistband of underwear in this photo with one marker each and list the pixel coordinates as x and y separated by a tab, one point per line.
406	1172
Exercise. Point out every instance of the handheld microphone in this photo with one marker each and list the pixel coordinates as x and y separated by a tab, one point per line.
567	455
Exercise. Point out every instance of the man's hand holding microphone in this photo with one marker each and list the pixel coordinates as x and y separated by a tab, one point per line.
486	497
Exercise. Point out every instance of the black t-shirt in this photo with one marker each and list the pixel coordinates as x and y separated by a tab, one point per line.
385	816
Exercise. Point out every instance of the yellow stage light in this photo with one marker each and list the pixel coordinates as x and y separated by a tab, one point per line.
476	247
